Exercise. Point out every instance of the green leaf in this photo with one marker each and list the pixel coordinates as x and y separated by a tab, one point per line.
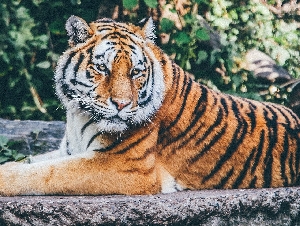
8	152
237	80
57	27
44	64
75	2
130	4
151	3
182	38
202	55
37	2
4	159
188	65
19	157
166	25
202	1
202	34
3	141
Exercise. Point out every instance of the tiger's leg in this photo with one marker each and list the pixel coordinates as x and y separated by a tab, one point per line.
90	175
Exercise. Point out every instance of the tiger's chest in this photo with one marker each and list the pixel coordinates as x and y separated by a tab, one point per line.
82	135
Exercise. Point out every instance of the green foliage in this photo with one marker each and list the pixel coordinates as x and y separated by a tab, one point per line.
130	4
6	151
151	3
31	40
242	26
253	25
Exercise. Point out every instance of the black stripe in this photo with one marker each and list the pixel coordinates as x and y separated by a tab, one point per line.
91	121
236	141
75	83
129	32
145	102
282	113
150	97
208	146
68	149
90	52
134	143
71	55
111	25
102	28
93	138
132	47
253	182
259	151
251	103
185	78
128	147
272	141
117	35
88	75
243	172
252	116
283	158
224	179
164	140
84	84
144	93
297	160
210	129
176	80
292	114
183	106
78	63
67	91
99	56
197	114
292	171
224	104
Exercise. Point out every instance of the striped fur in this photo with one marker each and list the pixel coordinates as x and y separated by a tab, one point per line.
138	124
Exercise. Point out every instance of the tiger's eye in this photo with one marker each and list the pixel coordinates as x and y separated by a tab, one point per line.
101	67
135	71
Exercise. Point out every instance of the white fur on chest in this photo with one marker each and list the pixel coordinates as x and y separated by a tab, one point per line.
75	142
79	134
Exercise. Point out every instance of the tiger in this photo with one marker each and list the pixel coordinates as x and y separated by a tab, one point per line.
137	123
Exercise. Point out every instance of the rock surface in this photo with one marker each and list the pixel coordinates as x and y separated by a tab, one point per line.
214	207
264	67
280	206
33	136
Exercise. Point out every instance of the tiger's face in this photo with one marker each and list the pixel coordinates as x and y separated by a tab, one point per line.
110	73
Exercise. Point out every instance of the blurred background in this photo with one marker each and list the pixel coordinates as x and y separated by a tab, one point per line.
246	48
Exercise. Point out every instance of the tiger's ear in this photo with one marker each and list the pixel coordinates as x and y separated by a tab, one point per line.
78	30
148	29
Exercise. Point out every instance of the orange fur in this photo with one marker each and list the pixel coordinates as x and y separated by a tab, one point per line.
195	138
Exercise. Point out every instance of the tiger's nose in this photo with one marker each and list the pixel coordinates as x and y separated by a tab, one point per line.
120	104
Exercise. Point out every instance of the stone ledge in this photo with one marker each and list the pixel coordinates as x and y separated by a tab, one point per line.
33	137
280	206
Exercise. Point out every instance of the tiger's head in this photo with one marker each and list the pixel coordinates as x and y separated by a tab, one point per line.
111	73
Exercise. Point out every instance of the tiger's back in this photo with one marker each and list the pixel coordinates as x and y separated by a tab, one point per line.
138	124
214	140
